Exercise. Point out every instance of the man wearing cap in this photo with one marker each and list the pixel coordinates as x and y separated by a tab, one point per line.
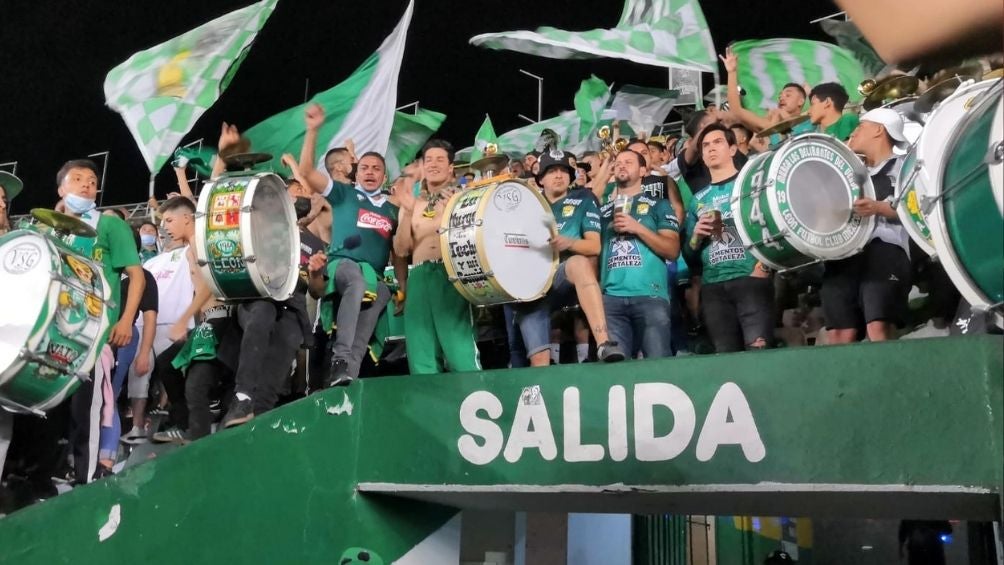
10	187
639	233
873	286
576	238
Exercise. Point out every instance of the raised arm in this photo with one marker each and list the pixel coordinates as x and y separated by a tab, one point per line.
317	181
748	118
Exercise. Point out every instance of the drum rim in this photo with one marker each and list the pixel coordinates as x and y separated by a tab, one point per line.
247	241
902	205
949	259
737	193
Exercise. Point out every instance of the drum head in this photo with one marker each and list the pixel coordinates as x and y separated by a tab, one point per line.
25	273
514	240
274	238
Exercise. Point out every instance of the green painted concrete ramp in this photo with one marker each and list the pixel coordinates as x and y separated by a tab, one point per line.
910	428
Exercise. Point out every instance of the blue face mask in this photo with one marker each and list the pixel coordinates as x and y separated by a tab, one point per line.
78	204
148	240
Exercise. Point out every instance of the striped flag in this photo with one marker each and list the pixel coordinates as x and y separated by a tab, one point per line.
161	92
766	66
643	108
664	33
361	108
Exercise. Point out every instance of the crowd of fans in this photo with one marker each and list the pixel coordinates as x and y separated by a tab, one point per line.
643	273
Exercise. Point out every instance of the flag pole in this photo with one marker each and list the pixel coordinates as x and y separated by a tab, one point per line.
152	177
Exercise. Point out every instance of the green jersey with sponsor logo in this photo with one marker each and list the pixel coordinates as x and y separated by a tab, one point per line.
576	214
114	249
725	257
629	267
362	225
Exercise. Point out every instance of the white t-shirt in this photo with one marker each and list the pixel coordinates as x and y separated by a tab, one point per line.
175	290
891	231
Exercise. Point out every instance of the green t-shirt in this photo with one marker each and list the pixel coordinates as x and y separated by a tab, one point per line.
362	226
575	215
629	267
114	249
724	258
842	128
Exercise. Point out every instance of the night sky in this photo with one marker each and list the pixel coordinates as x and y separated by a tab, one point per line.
54	56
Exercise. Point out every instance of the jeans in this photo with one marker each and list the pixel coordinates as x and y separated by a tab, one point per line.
355	324
639	323
739	312
517	351
533	319
108	445
202	380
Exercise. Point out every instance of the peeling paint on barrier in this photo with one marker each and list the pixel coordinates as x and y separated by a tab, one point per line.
112	525
344	408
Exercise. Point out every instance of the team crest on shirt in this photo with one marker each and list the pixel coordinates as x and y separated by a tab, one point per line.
567	211
623	253
642	209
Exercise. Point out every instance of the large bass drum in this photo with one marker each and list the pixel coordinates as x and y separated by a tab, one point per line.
246	239
794	206
54	324
495	241
965	189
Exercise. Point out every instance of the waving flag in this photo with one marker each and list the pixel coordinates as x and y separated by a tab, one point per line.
163	91
766	66
485	135
664	33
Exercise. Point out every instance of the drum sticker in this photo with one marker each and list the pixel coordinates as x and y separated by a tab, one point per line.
623	253
517	240
373	221
508	198
22	258
225	251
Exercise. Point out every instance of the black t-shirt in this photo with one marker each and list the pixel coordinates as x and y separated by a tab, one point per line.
698	176
309	244
654	186
149	302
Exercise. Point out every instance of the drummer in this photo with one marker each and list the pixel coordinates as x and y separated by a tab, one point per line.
577	239
872	287
736	294
437	319
364	222
10	187
115	249
826	110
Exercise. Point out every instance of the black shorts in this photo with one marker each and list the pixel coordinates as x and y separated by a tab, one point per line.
871	286
738	312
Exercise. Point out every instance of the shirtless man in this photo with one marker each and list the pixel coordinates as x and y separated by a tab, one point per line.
430	295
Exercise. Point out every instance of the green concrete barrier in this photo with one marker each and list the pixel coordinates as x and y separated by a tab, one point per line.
902	429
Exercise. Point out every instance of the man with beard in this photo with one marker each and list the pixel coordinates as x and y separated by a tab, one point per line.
577	239
364	223
639	233
437	319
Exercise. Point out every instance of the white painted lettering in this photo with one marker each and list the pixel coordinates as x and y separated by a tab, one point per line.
489	432
720	429
649	447
575	451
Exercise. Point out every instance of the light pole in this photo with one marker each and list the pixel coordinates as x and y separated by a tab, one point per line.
540	93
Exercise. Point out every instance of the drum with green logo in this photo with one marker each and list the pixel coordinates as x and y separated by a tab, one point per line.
909	207
968	194
794	206
53	327
246	239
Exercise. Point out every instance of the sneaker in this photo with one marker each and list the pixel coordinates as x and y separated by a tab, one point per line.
171	435
240	411
102	472
134	436
159	411
339	374
609	352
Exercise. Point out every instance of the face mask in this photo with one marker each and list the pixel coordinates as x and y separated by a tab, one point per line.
302	207
78	204
148	240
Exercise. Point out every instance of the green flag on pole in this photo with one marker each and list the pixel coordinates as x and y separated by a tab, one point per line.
161	92
485	135
664	33
590	100
407	136
361	108
766	66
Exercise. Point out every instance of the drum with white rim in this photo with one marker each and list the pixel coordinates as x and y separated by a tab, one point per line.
966	192
908	205
246	239
495	241
54	327
794	206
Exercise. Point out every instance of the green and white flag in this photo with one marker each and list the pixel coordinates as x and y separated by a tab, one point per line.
161	92
485	135
407	136
360	108
766	66
643	108
664	33
590	100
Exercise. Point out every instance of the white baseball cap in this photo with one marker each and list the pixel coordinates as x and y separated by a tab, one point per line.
891	121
